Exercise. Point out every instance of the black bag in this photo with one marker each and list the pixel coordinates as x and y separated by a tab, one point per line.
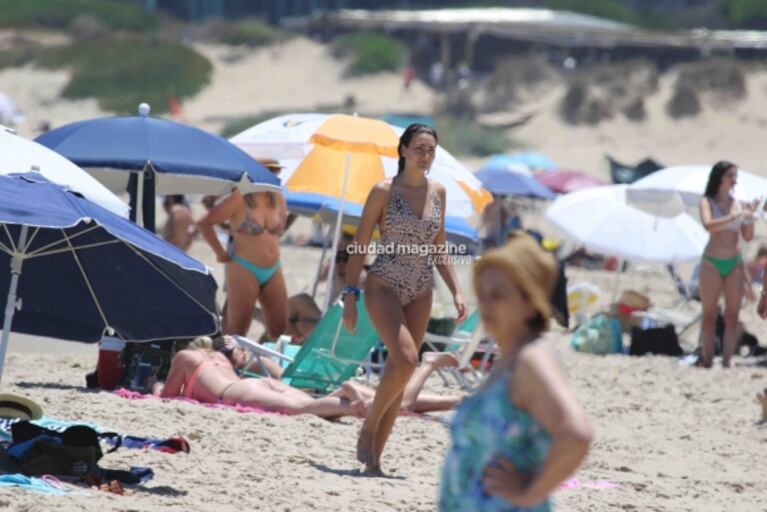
70	452
151	359
656	340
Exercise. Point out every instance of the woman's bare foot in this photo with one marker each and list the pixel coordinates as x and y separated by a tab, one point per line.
350	391
365	451
373	470
440	359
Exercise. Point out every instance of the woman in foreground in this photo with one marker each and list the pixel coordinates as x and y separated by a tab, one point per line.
524	432
206	373
722	268
409	209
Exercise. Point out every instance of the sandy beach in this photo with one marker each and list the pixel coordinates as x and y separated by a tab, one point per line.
668	437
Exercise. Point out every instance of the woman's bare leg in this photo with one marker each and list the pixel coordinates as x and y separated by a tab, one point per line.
274	302
276	396
388	319
710	286
413	400
416	320
242	293
733	299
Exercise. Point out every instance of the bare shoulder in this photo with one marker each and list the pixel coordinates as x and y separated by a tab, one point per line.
536	361
437	186
380	190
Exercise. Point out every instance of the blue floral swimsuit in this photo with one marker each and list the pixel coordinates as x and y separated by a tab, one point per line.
488	425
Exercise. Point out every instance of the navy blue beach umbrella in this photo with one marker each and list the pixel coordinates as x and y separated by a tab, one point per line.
161	156
79	272
505	183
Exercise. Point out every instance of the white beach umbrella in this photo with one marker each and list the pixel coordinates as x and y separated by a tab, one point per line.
20	155
603	222
669	191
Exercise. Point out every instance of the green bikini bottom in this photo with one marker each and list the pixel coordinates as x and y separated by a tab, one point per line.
724	265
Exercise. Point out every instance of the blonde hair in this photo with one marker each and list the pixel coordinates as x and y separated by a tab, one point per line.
201	343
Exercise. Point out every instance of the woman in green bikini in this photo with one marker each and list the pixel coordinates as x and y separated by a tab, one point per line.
722	268
253	270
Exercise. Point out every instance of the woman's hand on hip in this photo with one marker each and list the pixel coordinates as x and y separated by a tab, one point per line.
505	481
223	258
460	307
350	312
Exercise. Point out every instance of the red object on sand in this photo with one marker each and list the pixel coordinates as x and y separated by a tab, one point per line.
108	368
564	182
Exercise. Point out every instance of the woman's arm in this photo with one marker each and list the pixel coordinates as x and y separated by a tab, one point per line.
371	213
539	388
282	211
715	225
175	379
443	264
220	213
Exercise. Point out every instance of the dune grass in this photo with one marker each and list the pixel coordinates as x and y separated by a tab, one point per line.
58	14
123	72
370	52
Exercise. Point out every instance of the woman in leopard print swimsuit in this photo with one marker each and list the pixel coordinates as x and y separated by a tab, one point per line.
409	209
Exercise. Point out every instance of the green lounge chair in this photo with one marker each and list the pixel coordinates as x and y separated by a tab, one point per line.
331	354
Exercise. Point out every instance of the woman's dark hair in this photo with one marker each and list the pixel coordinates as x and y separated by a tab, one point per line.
715	177
404	140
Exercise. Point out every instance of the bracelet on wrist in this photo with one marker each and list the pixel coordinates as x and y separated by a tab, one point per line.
351	290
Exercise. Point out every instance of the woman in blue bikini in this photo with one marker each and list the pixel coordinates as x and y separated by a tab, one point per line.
253	270
722	268
523	432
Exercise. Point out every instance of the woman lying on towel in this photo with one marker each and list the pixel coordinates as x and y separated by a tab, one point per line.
206	372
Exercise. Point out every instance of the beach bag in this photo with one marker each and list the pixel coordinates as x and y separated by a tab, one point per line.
600	334
143	361
41	451
655	340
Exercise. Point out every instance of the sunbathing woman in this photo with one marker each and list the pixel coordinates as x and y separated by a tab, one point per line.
409	210
722	268
209	376
253	270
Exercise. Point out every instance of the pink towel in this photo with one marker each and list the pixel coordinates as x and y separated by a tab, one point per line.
135	395
575	483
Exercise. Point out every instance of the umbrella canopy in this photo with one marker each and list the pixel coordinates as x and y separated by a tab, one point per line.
288	138
172	158
81	272
684	186
602	221
21	155
529	159
564	182
507	163
504	183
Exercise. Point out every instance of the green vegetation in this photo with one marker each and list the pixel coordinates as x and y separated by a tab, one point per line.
235	126
746	13
251	32
58	14
123	72
463	137
370	52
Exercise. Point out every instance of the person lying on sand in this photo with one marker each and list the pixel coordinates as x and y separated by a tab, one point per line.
206	372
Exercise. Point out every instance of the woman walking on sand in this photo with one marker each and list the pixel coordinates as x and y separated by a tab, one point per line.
409	210
722	268
523	432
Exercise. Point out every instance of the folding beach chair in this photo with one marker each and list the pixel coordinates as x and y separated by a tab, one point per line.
331	354
468	340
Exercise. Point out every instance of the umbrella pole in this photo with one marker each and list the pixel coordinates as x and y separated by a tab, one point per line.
319	268
337	232
10	303
150	197
616	280
140	198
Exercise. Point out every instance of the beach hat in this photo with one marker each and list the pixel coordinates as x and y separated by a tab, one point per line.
533	270
14	406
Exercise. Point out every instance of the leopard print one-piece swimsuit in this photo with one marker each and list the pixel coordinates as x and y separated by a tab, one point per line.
405	237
